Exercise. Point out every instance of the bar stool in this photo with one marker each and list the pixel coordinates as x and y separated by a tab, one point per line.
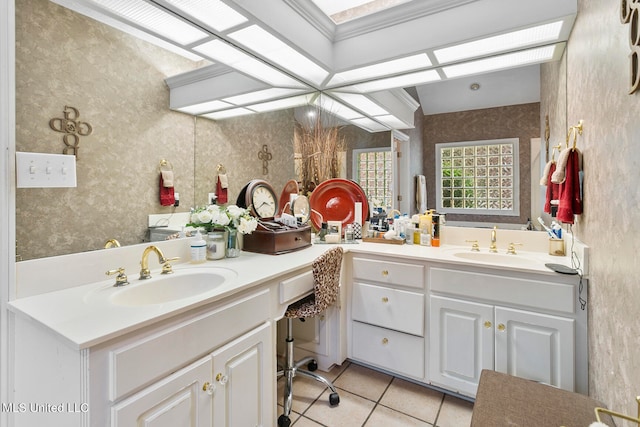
326	288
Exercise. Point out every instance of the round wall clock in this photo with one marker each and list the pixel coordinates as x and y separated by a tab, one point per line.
260	199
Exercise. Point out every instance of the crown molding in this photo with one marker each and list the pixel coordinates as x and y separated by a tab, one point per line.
373	22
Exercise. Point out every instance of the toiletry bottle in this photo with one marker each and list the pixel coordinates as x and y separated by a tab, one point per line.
323	231
435	234
198	249
425	228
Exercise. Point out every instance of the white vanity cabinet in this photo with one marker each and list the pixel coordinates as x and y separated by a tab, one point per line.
522	324
211	366
388	315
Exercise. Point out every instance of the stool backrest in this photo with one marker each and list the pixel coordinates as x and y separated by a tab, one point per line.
326	278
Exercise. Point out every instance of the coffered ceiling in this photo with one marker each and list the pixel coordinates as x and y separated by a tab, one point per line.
352	58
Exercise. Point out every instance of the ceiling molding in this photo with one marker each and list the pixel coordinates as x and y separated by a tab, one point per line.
372	22
314	16
198	75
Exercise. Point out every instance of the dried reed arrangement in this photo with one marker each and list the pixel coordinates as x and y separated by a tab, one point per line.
317	146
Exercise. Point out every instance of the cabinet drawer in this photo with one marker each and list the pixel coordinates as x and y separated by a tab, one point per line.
388	349
296	287
396	273
388	307
144	360
504	289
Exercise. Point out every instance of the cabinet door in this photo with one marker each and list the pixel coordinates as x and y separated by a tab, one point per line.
461	343
179	400
536	346
243	376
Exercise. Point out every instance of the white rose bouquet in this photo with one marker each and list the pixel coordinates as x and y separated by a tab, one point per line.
214	217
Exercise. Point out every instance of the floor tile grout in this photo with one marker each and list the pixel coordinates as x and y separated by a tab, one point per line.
377	403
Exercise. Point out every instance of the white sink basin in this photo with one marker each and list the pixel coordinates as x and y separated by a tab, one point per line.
166	288
497	258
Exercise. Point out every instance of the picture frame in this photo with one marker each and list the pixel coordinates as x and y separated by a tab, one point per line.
334	227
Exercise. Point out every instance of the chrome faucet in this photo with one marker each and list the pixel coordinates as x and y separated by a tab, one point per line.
144	263
493	247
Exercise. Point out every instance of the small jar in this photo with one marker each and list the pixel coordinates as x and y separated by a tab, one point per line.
216	245
348	233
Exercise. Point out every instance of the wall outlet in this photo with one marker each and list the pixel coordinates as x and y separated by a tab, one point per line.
176	196
212	198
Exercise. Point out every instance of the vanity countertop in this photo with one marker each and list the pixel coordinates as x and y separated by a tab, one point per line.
85	322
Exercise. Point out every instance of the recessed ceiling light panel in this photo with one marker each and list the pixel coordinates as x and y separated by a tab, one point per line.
154	19
261	95
361	102
405	80
281	104
226	114
382	69
267	45
336	108
213	13
501	62
369	124
501	43
204	107
235	58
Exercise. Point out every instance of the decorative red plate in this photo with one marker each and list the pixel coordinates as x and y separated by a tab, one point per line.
335	200
290	187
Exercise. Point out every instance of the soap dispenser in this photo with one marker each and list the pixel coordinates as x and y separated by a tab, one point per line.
198	249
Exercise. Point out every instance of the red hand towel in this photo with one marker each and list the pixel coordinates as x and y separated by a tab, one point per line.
221	193
167	197
570	201
553	190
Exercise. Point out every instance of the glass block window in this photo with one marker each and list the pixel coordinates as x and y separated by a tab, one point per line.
478	177
373	170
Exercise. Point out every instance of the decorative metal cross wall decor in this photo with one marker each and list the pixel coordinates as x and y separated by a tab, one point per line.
72	128
265	156
629	11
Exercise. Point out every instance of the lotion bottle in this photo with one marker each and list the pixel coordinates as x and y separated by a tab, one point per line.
198	249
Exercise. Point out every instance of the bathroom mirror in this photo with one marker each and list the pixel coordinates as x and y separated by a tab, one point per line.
118	87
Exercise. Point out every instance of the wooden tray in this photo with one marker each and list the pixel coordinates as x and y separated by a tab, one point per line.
383	240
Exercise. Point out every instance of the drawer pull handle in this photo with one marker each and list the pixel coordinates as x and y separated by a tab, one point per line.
222	379
487	324
385	299
385	341
501	327
385	273
209	388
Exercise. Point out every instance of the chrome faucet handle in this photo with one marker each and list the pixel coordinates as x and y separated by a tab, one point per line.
511	250
474	247
121	278
166	266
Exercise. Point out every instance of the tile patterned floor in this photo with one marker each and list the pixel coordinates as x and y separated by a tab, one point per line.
369	398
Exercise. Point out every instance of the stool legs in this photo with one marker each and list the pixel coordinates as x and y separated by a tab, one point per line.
291	369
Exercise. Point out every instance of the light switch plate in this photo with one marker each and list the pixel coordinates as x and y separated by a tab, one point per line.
44	170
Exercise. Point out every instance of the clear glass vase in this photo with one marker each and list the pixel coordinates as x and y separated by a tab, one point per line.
233	244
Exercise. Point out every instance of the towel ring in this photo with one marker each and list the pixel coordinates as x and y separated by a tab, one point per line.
166	164
221	169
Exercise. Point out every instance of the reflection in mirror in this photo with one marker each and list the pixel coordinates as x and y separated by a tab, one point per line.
553	104
118	84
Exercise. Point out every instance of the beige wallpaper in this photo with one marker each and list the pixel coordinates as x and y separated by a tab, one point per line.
520	121
117	84
597	92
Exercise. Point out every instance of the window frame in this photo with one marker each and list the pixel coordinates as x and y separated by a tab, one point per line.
475	211
356	170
